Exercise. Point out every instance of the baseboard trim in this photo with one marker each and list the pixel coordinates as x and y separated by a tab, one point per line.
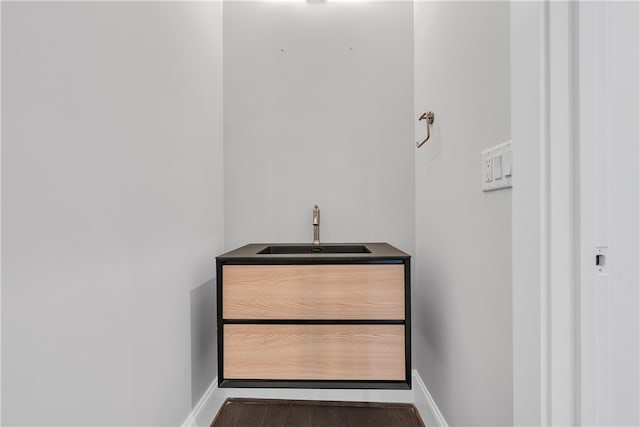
425	403
211	401
207	400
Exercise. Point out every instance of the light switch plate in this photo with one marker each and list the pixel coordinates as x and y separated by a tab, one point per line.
497	167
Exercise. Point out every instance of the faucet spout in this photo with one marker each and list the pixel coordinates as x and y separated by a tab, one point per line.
316	225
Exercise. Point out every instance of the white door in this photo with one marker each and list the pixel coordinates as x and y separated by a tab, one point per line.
609	117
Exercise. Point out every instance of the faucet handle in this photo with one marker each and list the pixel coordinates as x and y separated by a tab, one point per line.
316	225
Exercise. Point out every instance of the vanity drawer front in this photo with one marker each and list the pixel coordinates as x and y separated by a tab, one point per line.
350	291
314	352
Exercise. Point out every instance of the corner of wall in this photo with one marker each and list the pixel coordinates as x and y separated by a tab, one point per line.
425	403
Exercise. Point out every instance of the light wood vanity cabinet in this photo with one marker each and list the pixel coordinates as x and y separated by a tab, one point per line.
315	320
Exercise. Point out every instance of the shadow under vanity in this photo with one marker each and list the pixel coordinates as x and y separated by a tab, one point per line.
314	316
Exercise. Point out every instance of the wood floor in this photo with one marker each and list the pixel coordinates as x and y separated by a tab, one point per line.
236	412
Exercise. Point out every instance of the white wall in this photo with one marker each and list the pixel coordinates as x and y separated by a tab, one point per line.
462	291
318	109
529	216
111	208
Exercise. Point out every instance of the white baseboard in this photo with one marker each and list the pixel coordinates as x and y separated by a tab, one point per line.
208	406
429	411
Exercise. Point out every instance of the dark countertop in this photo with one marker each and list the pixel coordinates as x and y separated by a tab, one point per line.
379	251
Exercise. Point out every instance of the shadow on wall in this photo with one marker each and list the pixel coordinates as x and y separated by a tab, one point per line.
428	295
203	339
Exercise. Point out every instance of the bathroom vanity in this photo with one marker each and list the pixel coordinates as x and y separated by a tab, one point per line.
314	316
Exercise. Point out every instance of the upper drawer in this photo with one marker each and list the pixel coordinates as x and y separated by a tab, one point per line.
334	292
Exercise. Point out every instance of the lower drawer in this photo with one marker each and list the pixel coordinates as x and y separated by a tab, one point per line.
314	352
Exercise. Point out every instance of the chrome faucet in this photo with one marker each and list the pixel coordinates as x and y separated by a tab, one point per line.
316	225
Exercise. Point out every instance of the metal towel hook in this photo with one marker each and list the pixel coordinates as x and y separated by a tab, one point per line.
428	116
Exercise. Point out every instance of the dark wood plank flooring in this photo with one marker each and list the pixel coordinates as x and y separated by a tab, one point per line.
236	412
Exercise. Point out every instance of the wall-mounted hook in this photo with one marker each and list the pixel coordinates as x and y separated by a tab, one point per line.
428	116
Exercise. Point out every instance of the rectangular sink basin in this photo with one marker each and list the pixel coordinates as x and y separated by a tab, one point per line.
312	249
